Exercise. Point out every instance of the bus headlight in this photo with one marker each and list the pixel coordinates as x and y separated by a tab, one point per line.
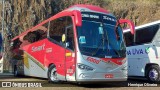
85	67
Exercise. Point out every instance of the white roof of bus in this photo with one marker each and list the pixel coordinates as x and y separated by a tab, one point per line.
144	25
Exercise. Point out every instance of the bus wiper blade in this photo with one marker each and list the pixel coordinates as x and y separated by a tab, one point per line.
108	44
95	52
116	52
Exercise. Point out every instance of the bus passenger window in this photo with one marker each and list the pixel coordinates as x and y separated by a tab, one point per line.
70	37
37	34
146	35
57	29
157	36
129	39
70	34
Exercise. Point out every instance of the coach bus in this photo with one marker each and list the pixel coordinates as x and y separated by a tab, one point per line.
83	43
143	51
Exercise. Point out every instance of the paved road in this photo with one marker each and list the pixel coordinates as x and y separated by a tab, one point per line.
69	86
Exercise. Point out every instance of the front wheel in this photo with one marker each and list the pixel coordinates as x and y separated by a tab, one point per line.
153	73
52	74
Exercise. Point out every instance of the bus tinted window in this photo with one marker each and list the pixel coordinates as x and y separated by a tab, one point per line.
146	35
70	37
16	44
129	39
38	34
70	34
57	29
157	37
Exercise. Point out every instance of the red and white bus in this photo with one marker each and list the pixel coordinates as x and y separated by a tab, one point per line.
83	43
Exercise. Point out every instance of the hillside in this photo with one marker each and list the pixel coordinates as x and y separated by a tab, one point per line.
23	14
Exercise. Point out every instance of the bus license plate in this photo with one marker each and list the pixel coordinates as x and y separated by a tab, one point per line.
109	75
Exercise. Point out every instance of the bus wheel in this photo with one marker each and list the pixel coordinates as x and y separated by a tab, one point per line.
153	73
52	74
15	72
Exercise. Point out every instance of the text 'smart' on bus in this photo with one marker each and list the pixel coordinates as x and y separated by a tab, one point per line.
143	51
83	43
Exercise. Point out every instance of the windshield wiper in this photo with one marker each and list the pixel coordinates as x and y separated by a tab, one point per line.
108	44
101	43
101	30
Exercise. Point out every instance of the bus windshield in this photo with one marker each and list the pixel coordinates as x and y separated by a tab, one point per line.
98	39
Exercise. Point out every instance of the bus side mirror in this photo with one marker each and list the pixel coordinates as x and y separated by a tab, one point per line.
78	17
131	25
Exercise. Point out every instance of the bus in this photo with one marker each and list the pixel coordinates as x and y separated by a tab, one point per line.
143	51
83	43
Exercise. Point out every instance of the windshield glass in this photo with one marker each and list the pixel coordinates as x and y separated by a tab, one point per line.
99	39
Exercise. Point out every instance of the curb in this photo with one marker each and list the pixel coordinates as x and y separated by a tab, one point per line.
6	74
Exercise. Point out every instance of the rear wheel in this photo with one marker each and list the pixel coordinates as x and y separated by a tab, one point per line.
153	73
52	74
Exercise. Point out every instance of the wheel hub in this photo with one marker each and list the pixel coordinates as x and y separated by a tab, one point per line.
53	75
153	74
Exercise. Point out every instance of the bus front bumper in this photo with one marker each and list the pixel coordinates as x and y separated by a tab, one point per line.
101	77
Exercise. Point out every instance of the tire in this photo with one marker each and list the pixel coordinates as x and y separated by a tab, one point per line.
153	73
15	72
52	74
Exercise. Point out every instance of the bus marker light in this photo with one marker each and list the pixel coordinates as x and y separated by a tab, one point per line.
73	54
68	54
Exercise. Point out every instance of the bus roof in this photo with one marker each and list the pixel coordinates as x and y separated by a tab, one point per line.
84	7
79	7
142	26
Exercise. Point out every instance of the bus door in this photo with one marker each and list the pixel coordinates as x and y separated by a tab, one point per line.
69	53
61	33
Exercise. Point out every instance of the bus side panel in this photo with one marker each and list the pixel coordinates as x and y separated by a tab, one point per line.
70	65
55	54
136	66
32	67
138	57
41	54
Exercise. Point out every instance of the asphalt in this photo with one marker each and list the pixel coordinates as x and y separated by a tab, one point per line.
10	77
6	75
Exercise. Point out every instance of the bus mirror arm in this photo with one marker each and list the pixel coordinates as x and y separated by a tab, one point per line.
130	23
67	44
